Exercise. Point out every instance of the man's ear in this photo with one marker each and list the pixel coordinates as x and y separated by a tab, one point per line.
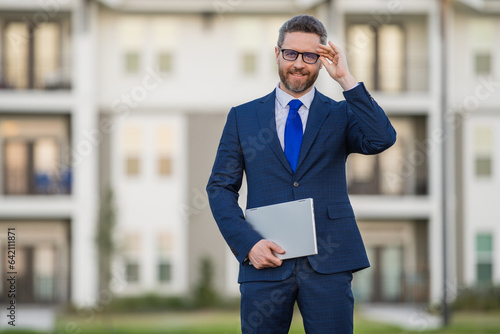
277	53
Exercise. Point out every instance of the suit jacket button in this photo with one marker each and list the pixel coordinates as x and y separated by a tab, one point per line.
295	184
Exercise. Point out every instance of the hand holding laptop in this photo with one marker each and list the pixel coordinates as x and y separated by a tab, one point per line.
262	255
288	230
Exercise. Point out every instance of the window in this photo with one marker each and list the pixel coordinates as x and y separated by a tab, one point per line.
45	263
377	55
132	272
249	63
164	166
131	62
42	260
384	281
483	149
19	71
164	272
483	63
250	32
132	166
132	37
164	249
132	143
165	137
392	269
483	166
35	56
482	35
47	58
484	258
165	62
390	58
131	252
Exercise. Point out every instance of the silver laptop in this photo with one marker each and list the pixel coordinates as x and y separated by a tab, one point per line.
290	225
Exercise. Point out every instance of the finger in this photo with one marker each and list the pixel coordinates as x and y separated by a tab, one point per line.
270	261
275	262
330	48
324	61
328	53
267	262
277	248
323	52
334	47
324	47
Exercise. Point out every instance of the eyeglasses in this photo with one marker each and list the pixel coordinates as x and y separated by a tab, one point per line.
307	57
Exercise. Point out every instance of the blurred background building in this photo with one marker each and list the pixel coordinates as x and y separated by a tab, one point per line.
132	96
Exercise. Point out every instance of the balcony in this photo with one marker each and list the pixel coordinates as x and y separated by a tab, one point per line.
391	58
402	170
34	154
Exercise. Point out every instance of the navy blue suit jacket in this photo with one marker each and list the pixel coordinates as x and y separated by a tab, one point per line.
250	145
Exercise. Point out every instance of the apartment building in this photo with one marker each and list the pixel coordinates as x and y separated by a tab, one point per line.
132	96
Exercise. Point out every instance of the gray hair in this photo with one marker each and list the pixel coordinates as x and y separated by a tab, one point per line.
303	23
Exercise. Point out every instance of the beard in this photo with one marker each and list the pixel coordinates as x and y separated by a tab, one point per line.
297	87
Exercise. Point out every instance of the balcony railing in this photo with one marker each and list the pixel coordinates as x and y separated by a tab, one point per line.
17	182
46	80
411	78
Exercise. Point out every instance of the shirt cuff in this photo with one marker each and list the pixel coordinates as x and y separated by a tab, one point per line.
356	85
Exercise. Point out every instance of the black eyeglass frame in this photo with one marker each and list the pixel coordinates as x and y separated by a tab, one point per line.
299	53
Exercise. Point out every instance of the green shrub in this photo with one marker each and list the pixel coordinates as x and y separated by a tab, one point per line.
147	302
486	298
205	294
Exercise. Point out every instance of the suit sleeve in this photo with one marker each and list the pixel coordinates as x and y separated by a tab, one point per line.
223	186
369	130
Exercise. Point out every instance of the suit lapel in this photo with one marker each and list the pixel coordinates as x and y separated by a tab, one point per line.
317	115
267	122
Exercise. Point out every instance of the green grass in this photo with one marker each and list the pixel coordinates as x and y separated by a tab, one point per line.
227	322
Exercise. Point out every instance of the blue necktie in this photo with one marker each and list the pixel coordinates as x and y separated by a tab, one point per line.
293	134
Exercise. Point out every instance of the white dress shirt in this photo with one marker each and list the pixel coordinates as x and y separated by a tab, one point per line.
282	108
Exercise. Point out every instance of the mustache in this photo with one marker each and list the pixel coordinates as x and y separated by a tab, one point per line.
299	72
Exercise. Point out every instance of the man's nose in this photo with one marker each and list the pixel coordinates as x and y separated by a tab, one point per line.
299	62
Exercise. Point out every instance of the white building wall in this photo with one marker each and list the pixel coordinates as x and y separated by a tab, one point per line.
206	53
150	205
482	196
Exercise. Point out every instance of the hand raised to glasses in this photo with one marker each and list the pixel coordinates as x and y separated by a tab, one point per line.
335	63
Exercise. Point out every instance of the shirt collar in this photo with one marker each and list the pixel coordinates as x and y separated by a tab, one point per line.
284	98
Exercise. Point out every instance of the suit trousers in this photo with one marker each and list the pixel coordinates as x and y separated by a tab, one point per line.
325	302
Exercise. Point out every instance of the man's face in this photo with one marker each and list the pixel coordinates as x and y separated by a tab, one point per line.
297	77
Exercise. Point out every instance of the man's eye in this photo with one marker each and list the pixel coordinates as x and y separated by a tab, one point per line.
310	56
